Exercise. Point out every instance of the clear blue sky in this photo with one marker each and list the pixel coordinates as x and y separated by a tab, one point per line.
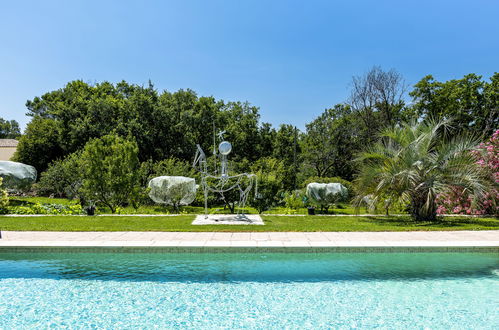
292	59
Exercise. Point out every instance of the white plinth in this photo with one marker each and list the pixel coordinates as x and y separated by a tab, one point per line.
228	219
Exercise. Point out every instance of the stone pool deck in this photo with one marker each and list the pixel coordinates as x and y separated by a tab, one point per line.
480	239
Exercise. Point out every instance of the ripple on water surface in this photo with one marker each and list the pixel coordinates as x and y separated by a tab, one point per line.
393	290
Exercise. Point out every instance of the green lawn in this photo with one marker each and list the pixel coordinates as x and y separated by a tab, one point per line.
272	223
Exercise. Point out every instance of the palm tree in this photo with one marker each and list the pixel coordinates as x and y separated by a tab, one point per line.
414	162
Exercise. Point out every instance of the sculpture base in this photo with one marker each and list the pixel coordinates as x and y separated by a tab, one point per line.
228	219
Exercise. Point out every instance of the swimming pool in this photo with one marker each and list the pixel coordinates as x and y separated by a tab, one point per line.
249	290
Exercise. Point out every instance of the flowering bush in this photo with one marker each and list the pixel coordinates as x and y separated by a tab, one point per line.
458	202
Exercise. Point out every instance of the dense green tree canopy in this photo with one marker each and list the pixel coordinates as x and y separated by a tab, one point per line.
330	142
163	124
9	129
167	125
39	145
472	103
287	148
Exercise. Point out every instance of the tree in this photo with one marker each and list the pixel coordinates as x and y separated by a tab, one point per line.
110	171
270	175
318	153
377	98
330	142
286	147
413	163
241	123
9	129
267	136
62	178
40	144
164	125
473	104
490	119
166	167
332	139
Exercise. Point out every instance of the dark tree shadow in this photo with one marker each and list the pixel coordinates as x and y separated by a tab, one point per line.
446	222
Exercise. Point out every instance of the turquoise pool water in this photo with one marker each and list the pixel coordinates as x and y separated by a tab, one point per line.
255	291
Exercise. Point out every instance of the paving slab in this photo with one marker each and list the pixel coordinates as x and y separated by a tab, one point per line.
488	238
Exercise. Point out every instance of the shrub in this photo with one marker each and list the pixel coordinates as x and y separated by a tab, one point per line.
458	201
52	209
62	178
4	198
294	199
414	162
110	171
270	177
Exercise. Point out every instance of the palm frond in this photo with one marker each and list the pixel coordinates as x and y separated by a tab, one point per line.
414	162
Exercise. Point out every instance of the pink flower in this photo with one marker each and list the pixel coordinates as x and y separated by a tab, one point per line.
441	209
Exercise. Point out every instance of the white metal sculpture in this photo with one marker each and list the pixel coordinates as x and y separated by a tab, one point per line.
220	181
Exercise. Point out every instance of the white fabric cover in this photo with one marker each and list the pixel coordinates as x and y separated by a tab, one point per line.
326	193
17	175
172	190
367	201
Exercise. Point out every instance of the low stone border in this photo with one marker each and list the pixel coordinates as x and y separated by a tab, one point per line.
187	249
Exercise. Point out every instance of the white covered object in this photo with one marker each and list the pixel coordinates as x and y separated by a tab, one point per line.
326	193
172	190
17	175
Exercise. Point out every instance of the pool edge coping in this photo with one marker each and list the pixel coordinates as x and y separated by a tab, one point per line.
246	249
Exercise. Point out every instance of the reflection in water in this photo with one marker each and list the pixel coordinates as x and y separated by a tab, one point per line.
263	267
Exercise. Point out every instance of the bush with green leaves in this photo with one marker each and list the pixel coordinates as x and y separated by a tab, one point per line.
4	198
270	174
110	171
385	203
294	199
51	209
62	178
